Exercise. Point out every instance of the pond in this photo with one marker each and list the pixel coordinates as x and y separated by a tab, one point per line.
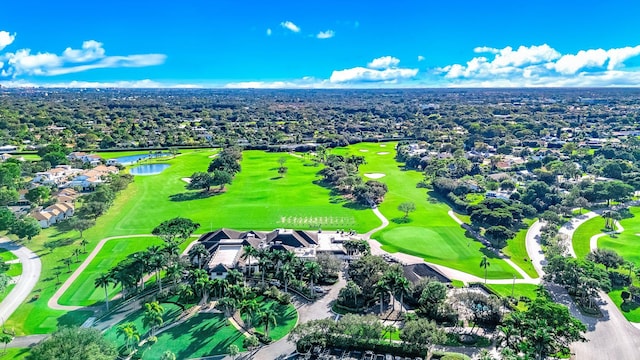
148	169
132	159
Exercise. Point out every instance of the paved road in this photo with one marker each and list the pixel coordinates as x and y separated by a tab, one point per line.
610	337
31	268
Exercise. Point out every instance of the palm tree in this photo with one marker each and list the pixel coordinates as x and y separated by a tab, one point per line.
219	286
234	276
228	305
67	261
157	261
174	272
153	312
76	253
172	250
104	280
287	273
381	288
249	308
249	252
264	260
142	260
401	286
84	244
630	266
484	263
268	317
5	339
313	271
197	254
130	333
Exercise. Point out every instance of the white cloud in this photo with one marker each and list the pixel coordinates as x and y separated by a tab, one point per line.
420	58
290	26
269	32
538	66
326	34
91	56
384	62
6	39
361	74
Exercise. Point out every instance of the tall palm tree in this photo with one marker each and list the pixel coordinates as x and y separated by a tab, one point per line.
381	288
142	260
248	252
172	250
84	244
76	253
313	271
104	281
5	339
249	308
130	333
174	272
287	273
227	305
234	277
267	318
265	261
153	312
401	286
157	260
219	286
197	254
484	263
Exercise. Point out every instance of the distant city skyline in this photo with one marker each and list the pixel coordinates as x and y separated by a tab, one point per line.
329	44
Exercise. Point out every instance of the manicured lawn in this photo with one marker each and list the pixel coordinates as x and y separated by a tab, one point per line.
528	290
631	311
14	269
205	334
627	243
6	255
14	353
583	234
116	154
286	318
171	312
431	233
83	291
516	249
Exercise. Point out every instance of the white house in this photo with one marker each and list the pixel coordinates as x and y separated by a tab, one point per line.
53	214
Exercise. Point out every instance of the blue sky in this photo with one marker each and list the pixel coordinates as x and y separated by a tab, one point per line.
319	44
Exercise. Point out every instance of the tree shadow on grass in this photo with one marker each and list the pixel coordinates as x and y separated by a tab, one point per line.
193	195
629	306
74	318
401	220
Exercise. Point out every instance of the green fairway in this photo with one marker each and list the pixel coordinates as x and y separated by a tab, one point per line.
516	249
626	243
582	235
205	334
83	292
431	233
630	310
116	154
504	290
15	353
286	318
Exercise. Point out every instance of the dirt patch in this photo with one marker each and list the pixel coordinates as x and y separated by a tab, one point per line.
374	175
383	153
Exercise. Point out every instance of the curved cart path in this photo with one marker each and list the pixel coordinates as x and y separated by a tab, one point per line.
31	268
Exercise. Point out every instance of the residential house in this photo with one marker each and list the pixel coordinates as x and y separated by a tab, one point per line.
92	159
53	214
8	148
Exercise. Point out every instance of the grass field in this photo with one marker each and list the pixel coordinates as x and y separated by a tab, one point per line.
431	233
6	255
631	311
205	334
14	269
116	154
583	234
286	318
82	292
171	312
626	243
516	249
528	290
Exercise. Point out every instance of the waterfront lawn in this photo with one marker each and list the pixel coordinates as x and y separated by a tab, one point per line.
430	233
205	334
582	235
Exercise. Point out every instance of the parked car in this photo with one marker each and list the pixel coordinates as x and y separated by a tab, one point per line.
318	289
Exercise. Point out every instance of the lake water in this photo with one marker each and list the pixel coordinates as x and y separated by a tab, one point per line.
148	169
132	159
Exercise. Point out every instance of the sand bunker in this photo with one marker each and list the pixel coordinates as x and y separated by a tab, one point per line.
383	153
212	156
374	175
383	145
364	150
187	180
